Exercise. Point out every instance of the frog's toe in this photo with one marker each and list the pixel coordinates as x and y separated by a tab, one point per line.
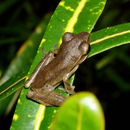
71	92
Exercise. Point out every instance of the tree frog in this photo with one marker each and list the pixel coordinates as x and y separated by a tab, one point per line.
56	67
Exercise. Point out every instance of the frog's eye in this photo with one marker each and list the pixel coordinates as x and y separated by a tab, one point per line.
67	37
84	47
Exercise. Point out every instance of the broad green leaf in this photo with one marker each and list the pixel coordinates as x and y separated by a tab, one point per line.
76	16
109	37
81	111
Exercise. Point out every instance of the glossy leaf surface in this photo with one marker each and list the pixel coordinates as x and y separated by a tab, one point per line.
109	37
81	111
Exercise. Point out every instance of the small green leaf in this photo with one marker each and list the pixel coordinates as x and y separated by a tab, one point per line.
110	37
81	111
12	85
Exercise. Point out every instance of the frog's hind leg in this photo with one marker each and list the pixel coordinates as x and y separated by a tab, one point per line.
55	99
46	98
35	97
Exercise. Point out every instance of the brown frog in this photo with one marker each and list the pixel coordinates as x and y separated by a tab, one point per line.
56	67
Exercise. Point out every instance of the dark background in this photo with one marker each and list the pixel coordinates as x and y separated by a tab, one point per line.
106	74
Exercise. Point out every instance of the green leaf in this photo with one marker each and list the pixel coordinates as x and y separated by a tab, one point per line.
12	85
76	16
84	112
109	37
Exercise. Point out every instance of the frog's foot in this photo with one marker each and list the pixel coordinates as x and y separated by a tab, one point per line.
69	88
47	99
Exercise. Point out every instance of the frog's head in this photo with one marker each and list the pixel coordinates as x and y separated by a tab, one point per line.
83	36
80	40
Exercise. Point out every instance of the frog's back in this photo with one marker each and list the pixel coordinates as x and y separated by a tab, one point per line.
54	72
67	58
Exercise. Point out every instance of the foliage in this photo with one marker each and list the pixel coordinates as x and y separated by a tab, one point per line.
79	16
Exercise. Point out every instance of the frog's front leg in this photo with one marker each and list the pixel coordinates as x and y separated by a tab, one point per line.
69	88
47	59
46	97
